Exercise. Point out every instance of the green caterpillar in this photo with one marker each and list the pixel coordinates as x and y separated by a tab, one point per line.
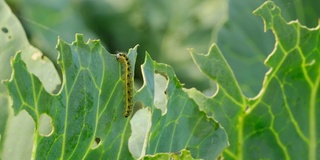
123	58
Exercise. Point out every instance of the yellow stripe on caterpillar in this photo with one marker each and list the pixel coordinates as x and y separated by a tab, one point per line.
127	77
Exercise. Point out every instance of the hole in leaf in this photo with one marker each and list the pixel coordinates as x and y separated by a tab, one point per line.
137	106
140	125
19	135
97	140
160	93
96	143
212	90
45	125
4	30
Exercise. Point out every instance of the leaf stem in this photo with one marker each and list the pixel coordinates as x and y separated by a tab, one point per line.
240	138
312	120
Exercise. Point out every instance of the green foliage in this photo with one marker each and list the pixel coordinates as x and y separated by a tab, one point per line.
181	125
279	123
12	39
291	95
84	109
170	121
90	106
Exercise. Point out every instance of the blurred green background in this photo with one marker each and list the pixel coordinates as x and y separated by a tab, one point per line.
165	29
